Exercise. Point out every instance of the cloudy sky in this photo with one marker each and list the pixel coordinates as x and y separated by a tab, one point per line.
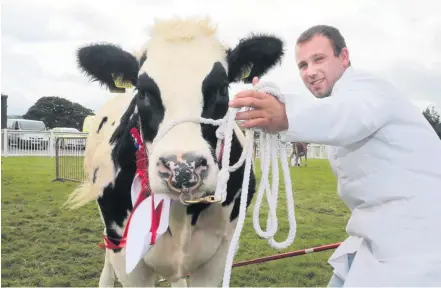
399	40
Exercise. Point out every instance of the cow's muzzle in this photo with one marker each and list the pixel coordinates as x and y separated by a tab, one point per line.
184	174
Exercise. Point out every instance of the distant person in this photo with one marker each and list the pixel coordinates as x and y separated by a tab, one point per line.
384	153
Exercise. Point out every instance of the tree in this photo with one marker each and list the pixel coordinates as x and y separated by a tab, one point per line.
434	119
58	112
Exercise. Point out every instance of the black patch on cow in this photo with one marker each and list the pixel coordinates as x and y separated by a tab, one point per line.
103	121
215	93
116	200
94	175
124	152
261	51
100	61
215	90
150	107
216	97
124	122
194	210
143	58
113	123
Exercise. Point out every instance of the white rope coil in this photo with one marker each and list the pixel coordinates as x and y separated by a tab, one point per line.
269	158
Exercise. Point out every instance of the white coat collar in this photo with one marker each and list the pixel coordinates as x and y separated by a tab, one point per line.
347	75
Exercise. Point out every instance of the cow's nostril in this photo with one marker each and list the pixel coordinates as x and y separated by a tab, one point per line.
201	168
164	170
201	161
164	162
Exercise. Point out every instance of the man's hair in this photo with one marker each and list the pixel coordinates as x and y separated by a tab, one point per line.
333	34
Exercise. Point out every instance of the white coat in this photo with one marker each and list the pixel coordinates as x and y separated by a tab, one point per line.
387	159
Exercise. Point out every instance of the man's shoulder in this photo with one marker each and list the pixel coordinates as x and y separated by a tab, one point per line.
365	80
362	75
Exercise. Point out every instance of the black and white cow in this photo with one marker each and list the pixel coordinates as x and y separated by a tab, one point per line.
182	71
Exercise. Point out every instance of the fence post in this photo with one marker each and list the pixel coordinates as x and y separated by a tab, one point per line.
4	109
51	145
5	142
57	162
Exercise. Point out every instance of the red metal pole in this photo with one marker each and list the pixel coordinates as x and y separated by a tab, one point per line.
288	254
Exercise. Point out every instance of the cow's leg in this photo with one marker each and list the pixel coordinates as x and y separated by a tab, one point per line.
306	158
297	155
211	273
107	278
141	276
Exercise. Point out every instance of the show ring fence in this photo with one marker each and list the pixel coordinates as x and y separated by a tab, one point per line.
69	159
68	150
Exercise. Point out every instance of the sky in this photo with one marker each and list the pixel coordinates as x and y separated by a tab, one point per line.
396	39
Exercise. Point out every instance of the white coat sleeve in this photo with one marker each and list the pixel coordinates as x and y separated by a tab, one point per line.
339	120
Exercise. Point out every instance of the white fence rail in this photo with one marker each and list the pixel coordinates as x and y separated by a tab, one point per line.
42	143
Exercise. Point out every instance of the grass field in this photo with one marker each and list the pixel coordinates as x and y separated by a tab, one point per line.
43	245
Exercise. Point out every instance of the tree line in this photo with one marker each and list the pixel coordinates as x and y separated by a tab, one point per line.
58	112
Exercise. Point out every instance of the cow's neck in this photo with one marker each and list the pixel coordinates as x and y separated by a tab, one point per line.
180	223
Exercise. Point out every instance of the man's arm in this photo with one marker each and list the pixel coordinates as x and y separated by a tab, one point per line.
338	120
355	111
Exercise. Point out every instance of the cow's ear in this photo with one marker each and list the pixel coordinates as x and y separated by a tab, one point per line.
254	56
109	65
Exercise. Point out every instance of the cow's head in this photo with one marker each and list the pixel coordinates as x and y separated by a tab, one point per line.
183	71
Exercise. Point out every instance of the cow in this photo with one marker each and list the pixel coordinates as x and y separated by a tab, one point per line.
299	149
183	70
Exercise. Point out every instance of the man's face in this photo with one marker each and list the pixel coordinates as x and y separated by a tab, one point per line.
319	68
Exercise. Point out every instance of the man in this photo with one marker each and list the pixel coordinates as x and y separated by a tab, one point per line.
390	181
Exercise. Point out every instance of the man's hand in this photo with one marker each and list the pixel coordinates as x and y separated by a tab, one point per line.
268	113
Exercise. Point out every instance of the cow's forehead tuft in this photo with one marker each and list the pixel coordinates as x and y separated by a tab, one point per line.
179	29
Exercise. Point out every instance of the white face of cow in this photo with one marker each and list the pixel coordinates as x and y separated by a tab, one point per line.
183	161
184	72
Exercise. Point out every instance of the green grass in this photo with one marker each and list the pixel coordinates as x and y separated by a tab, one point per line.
44	245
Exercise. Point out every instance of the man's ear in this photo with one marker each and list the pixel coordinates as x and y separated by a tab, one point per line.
109	65
254	56
344	55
